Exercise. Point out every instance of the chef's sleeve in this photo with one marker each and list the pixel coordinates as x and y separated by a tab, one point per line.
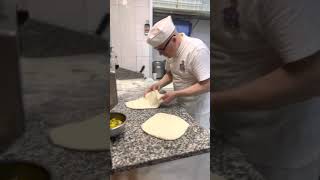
201	64
292	27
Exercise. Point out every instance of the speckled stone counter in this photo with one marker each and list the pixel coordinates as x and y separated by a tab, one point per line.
226	160
134	148
57	91
229	162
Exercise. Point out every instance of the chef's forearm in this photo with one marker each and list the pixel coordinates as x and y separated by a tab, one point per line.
292	83
166	79
197	88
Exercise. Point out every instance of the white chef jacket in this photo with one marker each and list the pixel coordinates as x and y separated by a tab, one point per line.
189	66
249	42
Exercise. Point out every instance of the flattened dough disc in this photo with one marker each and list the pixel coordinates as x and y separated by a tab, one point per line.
152	100
88	135
165	126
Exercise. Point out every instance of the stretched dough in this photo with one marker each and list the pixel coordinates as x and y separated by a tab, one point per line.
88	135
165	126
151	100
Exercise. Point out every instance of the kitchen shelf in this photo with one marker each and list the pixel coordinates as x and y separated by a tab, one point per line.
202	6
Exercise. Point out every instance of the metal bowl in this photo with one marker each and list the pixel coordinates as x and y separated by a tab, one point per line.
119	129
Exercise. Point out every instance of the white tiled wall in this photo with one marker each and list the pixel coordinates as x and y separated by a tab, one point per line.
71	14
79	15
8	8
142	15
127	34
123	37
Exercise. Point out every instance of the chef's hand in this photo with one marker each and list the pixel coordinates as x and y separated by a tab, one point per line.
168	97
153	87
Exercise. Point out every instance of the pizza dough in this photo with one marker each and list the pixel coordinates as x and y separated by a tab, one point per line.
151	100
88	135
165	126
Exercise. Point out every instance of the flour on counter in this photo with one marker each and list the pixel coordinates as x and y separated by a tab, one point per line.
133	88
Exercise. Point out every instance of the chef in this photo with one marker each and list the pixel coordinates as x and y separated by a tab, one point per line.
266	59
187	66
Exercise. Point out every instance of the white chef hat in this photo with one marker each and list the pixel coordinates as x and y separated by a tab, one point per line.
160	32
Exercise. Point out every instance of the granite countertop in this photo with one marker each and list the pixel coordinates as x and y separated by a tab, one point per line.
135	148
77	92
57	91
229	162
226	160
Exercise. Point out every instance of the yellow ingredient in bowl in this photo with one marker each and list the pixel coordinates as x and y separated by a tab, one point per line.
115	122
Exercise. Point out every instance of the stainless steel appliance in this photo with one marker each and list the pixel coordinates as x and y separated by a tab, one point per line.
158	69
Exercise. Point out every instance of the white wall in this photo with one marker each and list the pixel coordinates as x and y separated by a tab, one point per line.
8	8
8	11
23	4
79	15
200	30
122	31
71	14
96	10
143	49
127	34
